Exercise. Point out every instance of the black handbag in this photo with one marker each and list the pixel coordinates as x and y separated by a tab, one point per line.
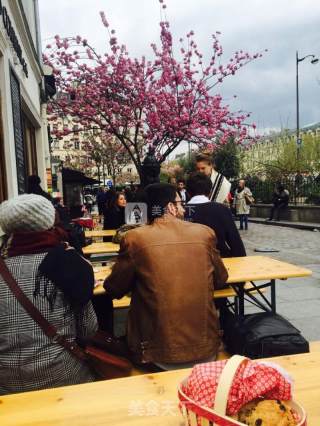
261	335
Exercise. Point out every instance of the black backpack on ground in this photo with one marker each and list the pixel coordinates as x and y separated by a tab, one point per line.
261	335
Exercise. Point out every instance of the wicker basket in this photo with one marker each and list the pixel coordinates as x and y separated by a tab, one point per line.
197	415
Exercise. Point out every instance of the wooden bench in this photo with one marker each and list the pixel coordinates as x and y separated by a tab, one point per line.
101	248
100	233
124	302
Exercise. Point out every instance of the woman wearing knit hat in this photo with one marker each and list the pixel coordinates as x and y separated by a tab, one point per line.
59	283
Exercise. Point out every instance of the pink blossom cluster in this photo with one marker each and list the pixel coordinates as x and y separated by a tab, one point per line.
158	102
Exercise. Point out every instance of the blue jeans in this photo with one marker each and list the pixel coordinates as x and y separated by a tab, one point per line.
243	221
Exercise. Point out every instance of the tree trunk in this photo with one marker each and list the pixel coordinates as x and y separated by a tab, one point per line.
103	173
150	169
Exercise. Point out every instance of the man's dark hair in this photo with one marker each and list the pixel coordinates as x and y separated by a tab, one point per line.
199	184
181	180
204	156
158	196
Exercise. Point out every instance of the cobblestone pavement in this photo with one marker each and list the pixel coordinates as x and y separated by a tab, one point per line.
298	299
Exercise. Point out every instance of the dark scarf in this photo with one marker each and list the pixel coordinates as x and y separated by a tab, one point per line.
22	243
72	274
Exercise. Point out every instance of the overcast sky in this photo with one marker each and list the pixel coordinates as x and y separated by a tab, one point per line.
265	87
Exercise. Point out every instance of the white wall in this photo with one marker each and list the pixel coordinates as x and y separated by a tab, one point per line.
29	10
29	88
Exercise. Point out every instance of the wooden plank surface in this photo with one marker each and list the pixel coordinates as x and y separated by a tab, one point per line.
241	269
99	233
258	268
140	400
102	272
101	248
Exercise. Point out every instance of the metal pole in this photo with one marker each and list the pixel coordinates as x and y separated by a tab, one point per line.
297	100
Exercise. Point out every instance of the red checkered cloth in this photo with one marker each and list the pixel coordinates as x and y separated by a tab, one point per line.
253	379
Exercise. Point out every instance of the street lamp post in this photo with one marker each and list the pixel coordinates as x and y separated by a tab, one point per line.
314	60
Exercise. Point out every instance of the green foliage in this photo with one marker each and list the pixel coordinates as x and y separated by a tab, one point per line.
164	176
188	164
227	161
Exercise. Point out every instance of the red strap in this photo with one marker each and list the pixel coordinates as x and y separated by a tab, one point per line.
36	315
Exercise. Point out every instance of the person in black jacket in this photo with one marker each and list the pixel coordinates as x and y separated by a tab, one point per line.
114	212
280	201
215	215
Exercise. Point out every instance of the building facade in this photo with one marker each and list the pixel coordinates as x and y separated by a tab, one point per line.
269	149
24	148
71	151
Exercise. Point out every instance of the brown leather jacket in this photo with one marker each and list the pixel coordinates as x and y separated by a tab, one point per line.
171	267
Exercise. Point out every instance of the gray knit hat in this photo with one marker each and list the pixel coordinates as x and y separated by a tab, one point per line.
26	213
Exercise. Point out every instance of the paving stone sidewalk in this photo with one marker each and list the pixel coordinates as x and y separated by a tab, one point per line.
298	299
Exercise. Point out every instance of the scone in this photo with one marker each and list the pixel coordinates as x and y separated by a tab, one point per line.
266	413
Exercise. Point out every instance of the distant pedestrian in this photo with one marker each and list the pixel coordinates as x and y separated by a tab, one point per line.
114	213
220	184
129	193
101	200
242	200
280	201
88	201
182	191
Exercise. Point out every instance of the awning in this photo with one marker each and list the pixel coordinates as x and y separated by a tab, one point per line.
74	176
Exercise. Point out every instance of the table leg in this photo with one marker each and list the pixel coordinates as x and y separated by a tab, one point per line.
273	295
241	300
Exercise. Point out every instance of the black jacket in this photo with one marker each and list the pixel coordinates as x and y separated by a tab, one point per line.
114	218
219	218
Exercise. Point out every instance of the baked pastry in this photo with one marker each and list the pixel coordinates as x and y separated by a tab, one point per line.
266	413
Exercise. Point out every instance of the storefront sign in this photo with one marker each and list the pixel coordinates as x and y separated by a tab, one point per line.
13	38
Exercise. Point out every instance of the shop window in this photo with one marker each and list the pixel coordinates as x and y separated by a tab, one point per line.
30	147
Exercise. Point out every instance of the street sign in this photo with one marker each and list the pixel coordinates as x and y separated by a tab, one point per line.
299	141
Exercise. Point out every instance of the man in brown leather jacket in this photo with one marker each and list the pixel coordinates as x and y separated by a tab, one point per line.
171	268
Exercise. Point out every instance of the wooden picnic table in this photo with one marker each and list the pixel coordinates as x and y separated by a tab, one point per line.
100	233
102	272
100	248
241	270
143	400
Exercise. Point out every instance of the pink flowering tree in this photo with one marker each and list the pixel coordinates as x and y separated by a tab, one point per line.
157	102
108	154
